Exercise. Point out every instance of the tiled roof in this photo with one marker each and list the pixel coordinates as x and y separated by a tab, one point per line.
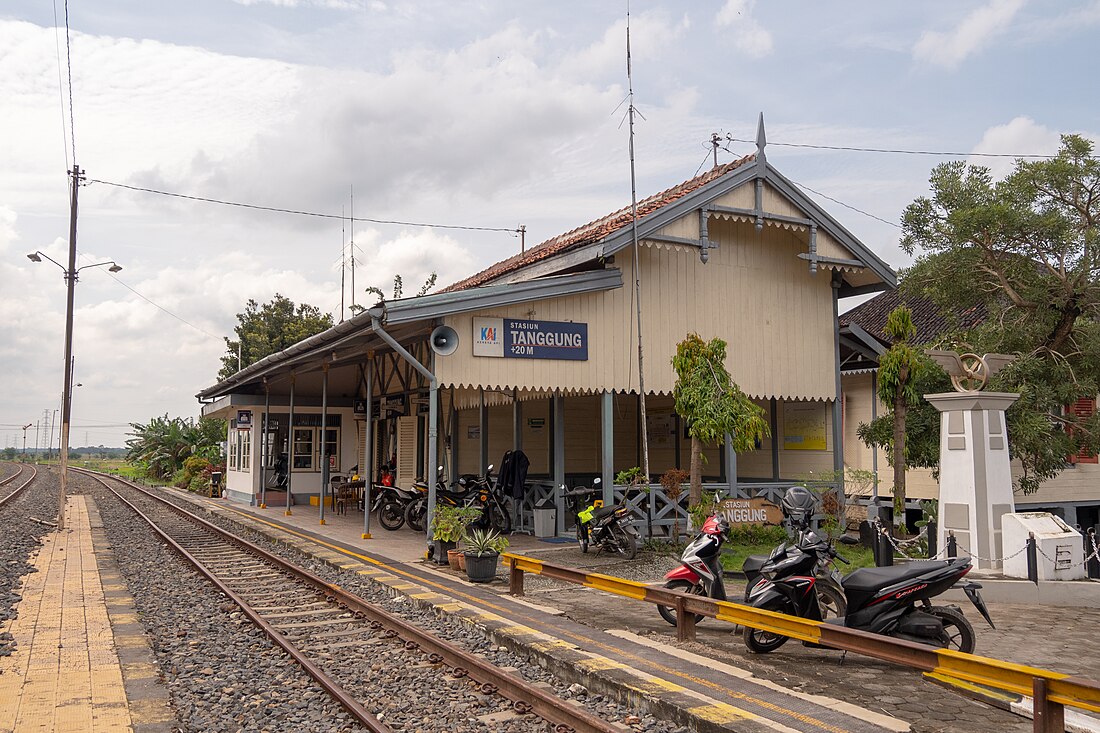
931	321
595	230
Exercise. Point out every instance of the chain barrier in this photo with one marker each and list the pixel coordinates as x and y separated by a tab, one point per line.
900	548
1094	556
964	550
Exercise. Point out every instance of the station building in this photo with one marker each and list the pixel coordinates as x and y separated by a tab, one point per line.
539	353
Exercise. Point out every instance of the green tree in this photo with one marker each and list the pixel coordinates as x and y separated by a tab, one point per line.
899	372
163	444
1026	248
266	329
712	403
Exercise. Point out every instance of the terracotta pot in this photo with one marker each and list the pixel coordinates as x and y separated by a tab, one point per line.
462	561
452	559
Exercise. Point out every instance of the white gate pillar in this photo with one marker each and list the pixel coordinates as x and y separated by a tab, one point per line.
975	475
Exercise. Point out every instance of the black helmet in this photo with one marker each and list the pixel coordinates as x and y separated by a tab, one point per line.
798	504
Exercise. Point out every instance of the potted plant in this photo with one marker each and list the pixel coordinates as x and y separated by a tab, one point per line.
483	548
448	527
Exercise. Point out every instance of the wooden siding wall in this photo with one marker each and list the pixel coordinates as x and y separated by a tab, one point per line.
919	483
754	292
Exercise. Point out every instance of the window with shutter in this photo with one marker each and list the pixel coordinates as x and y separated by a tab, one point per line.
1081	409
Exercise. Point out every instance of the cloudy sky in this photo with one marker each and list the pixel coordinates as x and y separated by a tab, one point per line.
486	114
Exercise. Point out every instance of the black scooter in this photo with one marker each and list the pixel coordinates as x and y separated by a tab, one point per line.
893	601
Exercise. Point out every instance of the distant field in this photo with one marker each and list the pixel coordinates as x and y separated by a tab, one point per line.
117	466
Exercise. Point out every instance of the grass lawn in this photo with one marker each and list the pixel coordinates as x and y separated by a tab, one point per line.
733	556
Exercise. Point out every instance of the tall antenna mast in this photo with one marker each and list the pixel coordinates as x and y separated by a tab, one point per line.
353	246
343	261
637	260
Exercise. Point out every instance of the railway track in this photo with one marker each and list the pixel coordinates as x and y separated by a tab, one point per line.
335	636
26	472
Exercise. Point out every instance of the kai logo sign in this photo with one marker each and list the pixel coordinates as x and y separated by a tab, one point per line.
487	337
525	339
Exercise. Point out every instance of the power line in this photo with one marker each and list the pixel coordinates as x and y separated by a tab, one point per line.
830	198
69	61
847	206
60	85
181	319
157	305
299	212
894	150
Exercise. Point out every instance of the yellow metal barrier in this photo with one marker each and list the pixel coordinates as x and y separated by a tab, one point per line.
1050	690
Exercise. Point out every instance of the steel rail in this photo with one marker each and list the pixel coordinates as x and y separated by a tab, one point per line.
525	696
25	484
331	686
1044	685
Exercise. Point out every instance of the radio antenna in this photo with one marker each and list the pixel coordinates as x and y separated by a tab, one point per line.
637	267
343	260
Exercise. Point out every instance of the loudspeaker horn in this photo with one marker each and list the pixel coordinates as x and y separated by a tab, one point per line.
444	340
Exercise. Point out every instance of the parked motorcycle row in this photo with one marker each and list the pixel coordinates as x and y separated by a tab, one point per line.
396	506
800	579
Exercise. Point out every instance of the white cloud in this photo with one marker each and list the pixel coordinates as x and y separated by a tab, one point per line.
8	234
976	31
748	35
651	34
1021	135
333	4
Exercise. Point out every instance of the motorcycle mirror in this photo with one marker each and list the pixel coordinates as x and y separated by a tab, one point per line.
596	482
441	469
489	469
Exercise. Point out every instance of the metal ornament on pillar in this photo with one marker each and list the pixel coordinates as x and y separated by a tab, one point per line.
975	474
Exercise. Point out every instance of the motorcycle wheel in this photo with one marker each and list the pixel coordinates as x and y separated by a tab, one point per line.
391	515
669	614
625	544
958	633
763	642
415	514
582	540
831	602
499	519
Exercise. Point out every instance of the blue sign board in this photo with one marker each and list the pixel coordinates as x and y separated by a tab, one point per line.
525	339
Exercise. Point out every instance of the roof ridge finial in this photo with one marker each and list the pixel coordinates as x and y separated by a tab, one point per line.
761	137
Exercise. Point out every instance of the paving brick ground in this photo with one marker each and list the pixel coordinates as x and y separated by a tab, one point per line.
1057	638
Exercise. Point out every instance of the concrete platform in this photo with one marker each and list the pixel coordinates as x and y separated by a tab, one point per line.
73	625
691	689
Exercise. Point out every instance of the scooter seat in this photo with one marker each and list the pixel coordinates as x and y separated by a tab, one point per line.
602	512
753	563
872	579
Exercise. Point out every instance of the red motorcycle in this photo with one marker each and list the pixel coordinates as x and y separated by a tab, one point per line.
700	570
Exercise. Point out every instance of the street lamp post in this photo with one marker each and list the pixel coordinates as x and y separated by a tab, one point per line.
72	273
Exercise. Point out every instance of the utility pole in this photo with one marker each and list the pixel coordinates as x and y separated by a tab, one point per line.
67	395
715	141
51	422
522	238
